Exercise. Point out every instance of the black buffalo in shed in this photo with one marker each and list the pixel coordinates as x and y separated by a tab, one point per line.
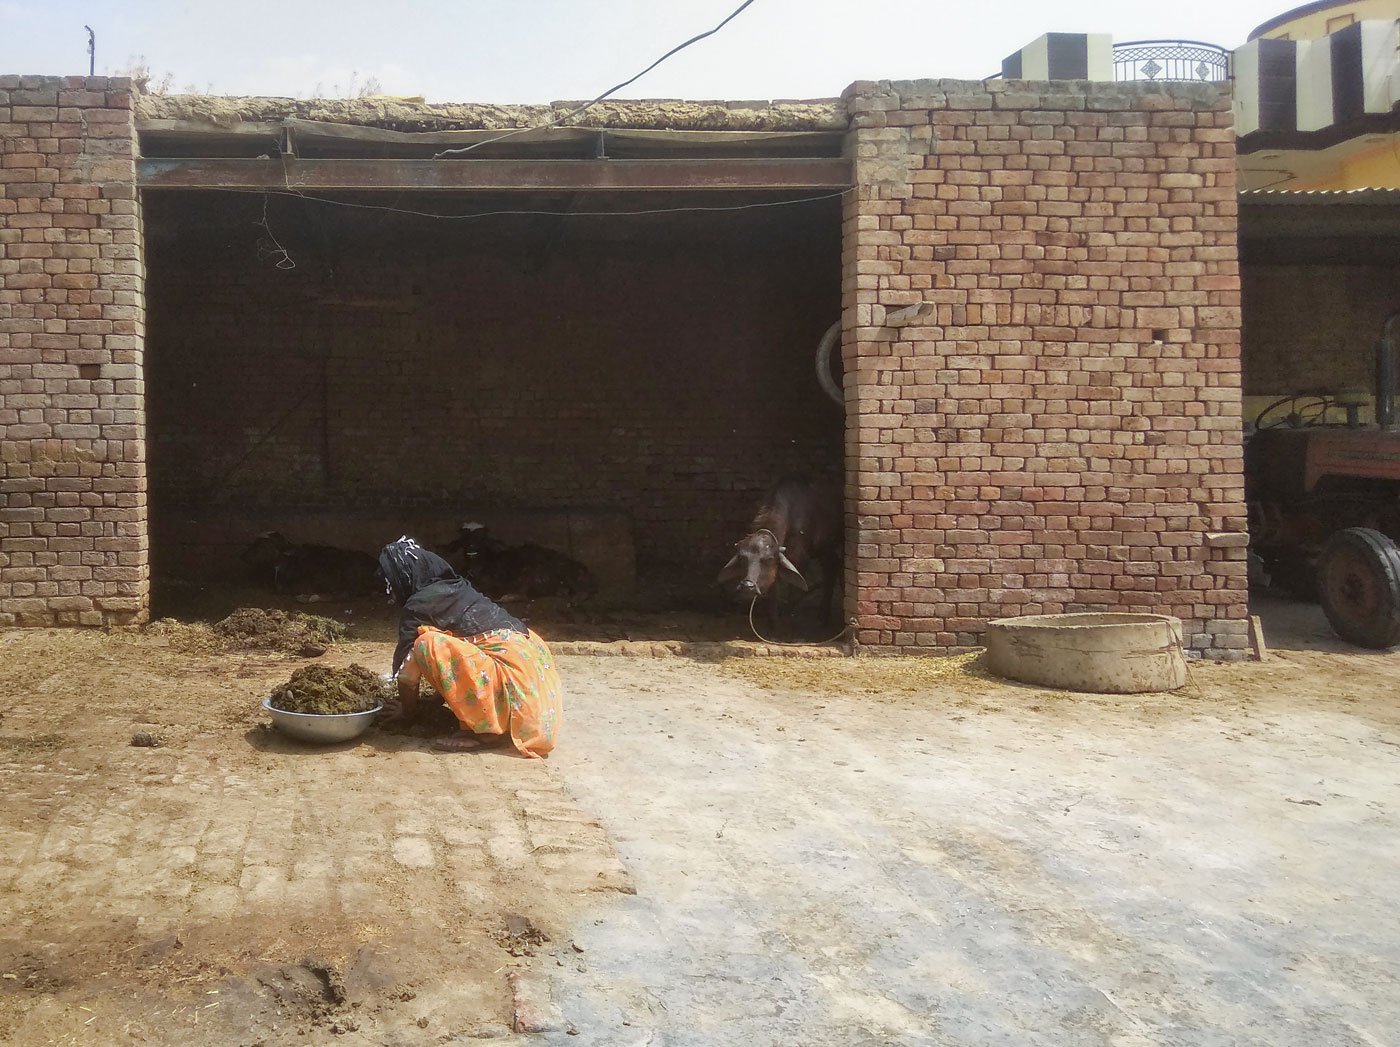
798	523
519	572
312	573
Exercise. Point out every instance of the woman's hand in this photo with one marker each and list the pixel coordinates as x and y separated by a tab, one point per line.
403	709
395	711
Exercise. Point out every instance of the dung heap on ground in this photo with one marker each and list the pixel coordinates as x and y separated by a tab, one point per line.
252	629
318	689
260	627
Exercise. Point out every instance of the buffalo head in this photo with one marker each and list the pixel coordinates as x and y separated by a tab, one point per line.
263	552
758	562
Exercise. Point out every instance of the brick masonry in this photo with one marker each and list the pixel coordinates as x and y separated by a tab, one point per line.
73	545
1059	429
1313	327
407	374
1041	295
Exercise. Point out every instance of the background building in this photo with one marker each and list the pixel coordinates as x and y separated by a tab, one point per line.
1315	94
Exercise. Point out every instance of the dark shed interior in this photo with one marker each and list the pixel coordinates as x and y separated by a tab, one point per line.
619	386
1321	273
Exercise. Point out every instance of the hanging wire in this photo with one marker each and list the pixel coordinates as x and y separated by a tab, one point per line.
704	208
610	91
282	260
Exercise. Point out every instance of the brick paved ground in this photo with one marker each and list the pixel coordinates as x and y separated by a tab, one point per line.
396	865
880	851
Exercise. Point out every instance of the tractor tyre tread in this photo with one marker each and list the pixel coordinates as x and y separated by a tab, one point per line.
1383	557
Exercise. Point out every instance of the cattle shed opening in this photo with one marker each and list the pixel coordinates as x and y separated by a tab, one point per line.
1321	276
596	331
613	374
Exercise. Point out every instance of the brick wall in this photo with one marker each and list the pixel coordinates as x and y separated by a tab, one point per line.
409	373
1313	328
72	473
1057	429
1060	430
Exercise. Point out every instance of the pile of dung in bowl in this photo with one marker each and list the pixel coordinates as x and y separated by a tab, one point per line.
330	692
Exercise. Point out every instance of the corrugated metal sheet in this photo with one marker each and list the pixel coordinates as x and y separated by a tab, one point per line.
1322	197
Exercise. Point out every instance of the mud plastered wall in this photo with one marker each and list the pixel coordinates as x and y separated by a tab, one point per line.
1058	429
73	546
398	373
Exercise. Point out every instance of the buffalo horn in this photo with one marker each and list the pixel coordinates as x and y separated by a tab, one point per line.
786	564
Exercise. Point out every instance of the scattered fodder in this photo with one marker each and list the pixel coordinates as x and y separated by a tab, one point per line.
251	629
860	675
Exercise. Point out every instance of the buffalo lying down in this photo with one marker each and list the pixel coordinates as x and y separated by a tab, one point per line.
519	572
312	573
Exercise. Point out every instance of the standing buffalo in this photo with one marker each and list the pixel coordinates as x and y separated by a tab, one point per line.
798	522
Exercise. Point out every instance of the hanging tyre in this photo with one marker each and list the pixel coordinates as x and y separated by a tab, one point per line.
1358	581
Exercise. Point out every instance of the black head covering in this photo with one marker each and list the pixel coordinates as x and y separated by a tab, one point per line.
432	594
407	567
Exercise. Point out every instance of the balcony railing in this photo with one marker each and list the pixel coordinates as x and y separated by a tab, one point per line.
1163	60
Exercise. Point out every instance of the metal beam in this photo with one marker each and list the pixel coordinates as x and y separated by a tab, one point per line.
496	175
1337	220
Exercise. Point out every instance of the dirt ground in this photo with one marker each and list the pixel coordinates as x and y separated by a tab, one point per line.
258	890
646	617
745	851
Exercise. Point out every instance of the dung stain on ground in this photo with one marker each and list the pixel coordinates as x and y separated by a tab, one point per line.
519	936
334	984
434	719
32	743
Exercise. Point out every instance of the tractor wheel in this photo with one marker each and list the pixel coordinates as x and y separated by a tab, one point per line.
1358	581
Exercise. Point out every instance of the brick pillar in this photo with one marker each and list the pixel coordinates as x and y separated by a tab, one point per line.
1043	358
73	546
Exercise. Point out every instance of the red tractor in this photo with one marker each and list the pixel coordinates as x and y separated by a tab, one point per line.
1324	503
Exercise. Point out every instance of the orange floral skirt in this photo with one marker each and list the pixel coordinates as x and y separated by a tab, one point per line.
495	683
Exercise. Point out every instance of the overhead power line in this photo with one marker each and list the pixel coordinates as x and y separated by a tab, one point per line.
609	92
683	209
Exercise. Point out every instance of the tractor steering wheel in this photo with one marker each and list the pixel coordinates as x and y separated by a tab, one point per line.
1306	410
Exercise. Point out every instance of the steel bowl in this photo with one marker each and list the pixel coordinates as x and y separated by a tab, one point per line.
322	728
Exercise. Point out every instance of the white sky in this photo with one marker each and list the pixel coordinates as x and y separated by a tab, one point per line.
543	50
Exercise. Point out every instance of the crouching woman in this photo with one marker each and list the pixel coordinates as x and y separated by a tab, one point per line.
496	676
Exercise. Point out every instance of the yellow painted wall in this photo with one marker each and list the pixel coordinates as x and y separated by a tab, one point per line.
1314	26
1378	167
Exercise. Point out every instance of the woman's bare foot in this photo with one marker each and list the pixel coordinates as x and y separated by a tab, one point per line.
467	741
